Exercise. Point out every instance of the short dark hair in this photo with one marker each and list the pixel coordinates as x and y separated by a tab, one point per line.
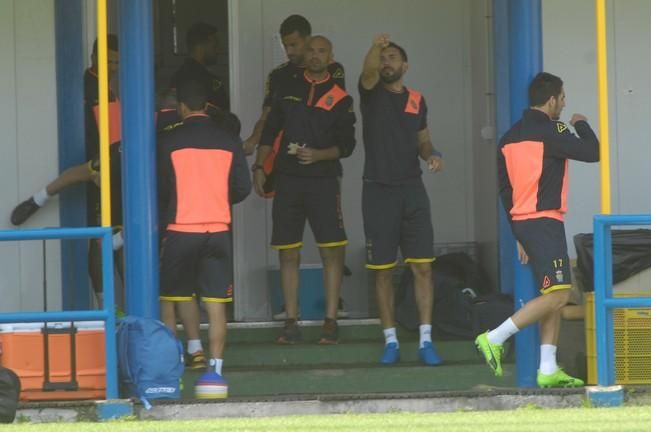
198	34
402	51
111	43
295	23
542	87
193	94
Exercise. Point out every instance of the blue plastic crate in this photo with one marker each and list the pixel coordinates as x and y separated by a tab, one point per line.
311	301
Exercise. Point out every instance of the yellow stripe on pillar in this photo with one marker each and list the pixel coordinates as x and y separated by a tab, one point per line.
602	86
102	73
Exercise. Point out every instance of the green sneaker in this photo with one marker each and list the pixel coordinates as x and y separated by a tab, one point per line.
491	352
558	379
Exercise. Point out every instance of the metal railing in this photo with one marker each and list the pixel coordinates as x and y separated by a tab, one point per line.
603	292
107	314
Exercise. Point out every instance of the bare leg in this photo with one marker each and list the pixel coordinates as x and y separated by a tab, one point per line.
384	289
550	327
423	290
333	266
190	317
573	312
289	262
168	315
77	174
216	328
538	308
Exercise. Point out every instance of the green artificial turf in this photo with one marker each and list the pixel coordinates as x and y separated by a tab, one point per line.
521	420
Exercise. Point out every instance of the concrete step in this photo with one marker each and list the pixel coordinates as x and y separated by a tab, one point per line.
402	378
350	353
349	330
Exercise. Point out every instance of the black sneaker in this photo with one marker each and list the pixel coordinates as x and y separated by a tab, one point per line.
196	360
291	333
24	211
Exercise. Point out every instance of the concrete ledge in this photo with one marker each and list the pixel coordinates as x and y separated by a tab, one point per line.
49	412
361	404
480	398
606	396
113	409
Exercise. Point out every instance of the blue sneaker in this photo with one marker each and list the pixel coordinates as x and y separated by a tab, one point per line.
211	385
391	354
428	355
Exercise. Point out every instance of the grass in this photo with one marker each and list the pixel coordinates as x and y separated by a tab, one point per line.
522	420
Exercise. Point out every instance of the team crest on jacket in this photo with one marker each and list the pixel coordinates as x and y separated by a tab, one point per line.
561	127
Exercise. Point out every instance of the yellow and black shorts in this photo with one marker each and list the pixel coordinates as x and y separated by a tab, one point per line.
197	263
544	242
315	199
397	216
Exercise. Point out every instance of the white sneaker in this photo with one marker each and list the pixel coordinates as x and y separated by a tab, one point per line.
281	316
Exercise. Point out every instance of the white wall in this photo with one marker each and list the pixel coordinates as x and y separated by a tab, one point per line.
569	46
436	35
483	137
29	147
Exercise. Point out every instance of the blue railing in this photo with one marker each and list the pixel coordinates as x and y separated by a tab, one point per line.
603	292
107	314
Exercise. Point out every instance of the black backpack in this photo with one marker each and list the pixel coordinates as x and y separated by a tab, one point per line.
463	314
465	304
9	393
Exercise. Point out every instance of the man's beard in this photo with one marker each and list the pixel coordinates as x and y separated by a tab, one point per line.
556	115
390	79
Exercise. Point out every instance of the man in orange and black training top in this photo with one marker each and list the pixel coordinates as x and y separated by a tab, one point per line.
395	137
202	171
295	31
316	119
532	168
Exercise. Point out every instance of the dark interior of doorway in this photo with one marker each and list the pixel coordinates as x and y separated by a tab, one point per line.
172	19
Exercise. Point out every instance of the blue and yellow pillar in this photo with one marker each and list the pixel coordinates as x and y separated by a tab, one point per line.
139	157
518	55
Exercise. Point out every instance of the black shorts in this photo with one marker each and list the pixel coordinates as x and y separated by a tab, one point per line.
317	199
197	263
397	216
544	242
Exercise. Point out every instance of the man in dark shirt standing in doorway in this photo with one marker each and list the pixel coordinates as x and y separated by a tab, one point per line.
203	44
395	205
295	31
315	119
